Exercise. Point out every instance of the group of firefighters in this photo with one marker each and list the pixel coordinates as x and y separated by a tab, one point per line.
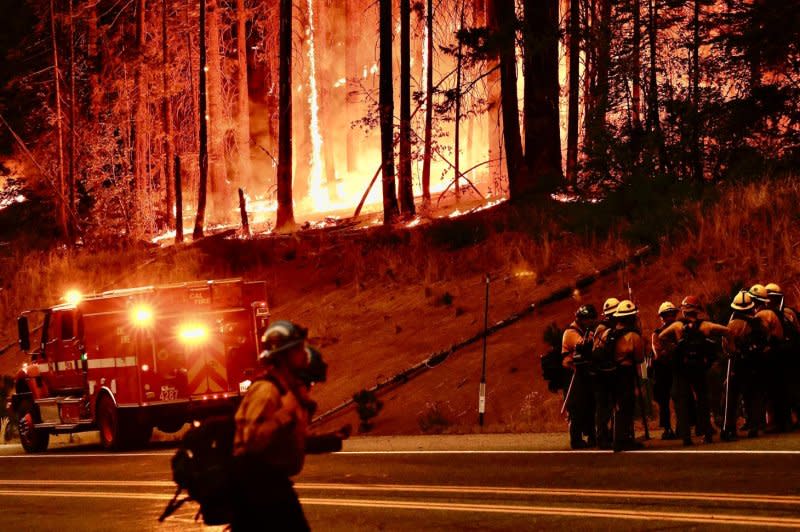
607	360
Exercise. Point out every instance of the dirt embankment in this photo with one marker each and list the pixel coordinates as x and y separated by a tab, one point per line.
383	301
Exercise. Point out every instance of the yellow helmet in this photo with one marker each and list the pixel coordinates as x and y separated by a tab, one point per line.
610	306
759	293
626	308
774	290
743	302
667	308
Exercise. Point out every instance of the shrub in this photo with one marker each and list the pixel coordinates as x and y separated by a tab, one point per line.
368	407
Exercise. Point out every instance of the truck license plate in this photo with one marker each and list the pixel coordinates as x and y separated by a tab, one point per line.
168	393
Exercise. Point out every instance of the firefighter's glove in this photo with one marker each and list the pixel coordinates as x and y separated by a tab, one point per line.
344	432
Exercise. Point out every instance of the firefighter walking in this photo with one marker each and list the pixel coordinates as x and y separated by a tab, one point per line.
693	354
576	347
271	437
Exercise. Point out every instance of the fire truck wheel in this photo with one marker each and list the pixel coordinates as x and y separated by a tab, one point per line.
108	423
33	440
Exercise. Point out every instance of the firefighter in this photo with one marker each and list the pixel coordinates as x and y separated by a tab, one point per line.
693	354
576	349
775	359
791	348
603	377
271	440
625	344
662	369
744	376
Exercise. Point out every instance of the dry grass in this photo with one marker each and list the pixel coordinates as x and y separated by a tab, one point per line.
751	234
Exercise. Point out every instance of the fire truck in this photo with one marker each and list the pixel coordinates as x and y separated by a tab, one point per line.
126	361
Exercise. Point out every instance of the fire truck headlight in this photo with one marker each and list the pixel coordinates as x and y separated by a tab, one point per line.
142	316
193	333
73	297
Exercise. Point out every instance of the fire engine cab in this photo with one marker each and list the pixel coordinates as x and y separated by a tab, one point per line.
126	361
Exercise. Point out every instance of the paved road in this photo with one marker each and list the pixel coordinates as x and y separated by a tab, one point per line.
82	488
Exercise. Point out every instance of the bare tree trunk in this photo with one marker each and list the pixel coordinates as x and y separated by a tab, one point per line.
178	202
406	191
61	200
351	72
221	198
166	118
285	215
141	218
200	219
696	149
505	19
243	120
636	99
94	63
653	112
542	131
493	103
386	103
457	135
427	153
73	112
574	90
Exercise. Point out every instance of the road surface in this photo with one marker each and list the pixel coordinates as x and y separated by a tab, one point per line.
434	487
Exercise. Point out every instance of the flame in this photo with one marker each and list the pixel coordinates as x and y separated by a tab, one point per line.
319	194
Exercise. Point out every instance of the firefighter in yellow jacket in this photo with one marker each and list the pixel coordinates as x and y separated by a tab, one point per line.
576	350
271	438
775	358
625	344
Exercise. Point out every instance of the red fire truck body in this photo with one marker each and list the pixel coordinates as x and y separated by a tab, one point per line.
125	361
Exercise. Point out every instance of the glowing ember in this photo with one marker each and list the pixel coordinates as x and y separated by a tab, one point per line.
6	202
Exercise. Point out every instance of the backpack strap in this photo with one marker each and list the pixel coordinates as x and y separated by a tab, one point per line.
269	377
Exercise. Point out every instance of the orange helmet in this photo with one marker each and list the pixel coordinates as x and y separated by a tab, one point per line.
691	303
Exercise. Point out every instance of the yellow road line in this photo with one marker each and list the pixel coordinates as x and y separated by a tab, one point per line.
558	492
445	489
559	511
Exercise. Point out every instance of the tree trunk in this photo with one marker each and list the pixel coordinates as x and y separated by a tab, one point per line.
574	36
166	118
386	103
178	202
351	68
243	109
73	112
221	197
493	104
595	142
457	135
427	152
95	93
141	207
199	222
636	99
519	182
406	191
653	113
542	131
61	200
285	215
696	149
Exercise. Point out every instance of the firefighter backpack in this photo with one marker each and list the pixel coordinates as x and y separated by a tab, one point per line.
203	467
694	350
604	354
